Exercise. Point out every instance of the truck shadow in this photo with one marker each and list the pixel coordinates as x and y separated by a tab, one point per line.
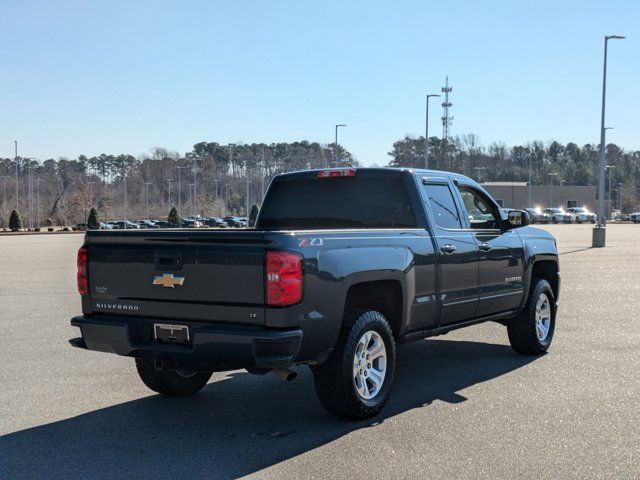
239	424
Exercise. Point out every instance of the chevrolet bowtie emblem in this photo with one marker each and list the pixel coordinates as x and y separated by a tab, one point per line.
167	280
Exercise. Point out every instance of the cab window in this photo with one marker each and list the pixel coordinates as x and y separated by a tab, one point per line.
481	212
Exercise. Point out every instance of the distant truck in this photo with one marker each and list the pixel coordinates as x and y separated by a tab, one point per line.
342	265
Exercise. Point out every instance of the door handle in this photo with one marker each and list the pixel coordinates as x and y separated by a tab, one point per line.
484	246
448	249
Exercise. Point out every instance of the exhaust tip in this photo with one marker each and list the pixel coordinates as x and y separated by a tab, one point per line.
285	374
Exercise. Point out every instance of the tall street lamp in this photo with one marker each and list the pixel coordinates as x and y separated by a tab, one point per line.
180	195
551	175
15	142
335	155
169	180
530	179
248	182
599	231
609	167
146	184
426	132
4	200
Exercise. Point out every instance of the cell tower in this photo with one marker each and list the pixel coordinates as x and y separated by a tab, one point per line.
446	118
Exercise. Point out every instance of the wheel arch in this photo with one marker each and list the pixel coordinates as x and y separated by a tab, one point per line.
385	296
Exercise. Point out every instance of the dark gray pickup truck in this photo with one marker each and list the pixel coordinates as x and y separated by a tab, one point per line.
341	266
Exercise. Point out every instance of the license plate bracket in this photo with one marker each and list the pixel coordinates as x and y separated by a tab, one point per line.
169	334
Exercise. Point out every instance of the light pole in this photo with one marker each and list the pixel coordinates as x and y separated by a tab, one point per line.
551	175
335	155
86	217
262	175
38	200
599	231
426	132
248	182
124	179
29	169
609	167
216	195
530	180
191	201
15	142
4	200
180	195
169	180
147	185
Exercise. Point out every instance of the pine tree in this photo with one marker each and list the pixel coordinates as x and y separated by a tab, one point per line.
174	219
15	222
253	215
93	222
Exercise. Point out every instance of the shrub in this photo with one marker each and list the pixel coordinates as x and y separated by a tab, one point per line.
15	222
173	218
253	215
93	222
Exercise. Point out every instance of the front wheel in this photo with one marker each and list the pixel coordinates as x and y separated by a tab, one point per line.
578	220
531	332
171	382
554	220
355	381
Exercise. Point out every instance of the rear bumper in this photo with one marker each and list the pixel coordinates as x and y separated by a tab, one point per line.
215	347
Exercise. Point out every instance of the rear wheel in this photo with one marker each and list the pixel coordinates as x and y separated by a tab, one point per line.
355	381
171	382
554	220
578	220
531	332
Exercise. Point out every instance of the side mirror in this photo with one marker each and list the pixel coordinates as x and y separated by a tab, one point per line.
518	218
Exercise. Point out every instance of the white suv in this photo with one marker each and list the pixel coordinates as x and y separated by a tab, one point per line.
580	214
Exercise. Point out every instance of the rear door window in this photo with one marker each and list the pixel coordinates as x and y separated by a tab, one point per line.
443	206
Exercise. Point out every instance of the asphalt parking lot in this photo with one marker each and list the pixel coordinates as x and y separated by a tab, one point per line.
463	406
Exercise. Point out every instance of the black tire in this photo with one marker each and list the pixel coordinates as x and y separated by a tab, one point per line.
554	220
334	379
171	382
578	220
522	329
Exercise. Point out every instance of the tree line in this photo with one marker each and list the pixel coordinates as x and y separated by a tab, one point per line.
216	179
212	179
568	164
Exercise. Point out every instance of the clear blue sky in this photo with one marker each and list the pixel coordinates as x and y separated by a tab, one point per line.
82	77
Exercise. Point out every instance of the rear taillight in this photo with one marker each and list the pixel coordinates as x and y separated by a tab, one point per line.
340	172
83	281
284	278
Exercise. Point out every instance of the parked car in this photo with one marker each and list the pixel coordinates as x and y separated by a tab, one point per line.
163	224
537	215
234	222
341	266
81	227
190	223
558	215
105	226
635	217
581	214
124	225
214	222
147	224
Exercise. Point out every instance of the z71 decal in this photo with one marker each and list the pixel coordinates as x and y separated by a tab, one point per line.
310	242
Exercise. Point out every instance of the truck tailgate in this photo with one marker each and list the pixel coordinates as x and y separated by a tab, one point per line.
196	275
